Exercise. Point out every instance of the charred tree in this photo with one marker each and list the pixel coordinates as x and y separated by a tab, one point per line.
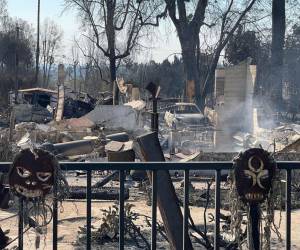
188	28
188	34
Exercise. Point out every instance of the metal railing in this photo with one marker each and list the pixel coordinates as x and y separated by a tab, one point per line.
155	167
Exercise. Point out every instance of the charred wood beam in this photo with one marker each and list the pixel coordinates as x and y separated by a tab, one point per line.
103	193
166	196
70	148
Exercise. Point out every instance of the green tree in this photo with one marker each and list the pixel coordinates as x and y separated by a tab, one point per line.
242	45
16	54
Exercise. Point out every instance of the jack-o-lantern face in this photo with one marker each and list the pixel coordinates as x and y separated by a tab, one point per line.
32	174
254	172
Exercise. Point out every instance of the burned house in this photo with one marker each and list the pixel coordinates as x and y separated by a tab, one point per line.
77	104
34	104
39	104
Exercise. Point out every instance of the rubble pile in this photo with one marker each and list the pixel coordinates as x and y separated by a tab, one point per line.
74	116
273	140
184	131
6	148
79	144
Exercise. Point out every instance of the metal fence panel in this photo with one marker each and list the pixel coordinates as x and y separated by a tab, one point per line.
154	167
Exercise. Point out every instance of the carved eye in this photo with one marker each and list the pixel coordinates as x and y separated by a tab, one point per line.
43	176
23	172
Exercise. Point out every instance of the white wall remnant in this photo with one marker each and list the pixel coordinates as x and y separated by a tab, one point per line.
219	85
236	113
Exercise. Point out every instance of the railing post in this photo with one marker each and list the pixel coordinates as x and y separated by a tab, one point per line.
253	227
121	210
288	208
54	232
154	209
217	209
21	223
88	208
186	209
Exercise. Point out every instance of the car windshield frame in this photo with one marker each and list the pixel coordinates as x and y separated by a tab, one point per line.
186	109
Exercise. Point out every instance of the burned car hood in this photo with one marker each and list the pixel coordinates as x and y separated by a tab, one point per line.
189	118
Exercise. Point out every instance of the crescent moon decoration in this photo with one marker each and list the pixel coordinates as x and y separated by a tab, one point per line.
253	175
264	173
261	165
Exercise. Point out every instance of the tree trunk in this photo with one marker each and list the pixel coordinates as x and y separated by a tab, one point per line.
115	89
278	34
111	43
209	81
189	57
48	75
44	72
74	66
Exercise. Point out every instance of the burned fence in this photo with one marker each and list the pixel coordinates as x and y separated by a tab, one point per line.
155	168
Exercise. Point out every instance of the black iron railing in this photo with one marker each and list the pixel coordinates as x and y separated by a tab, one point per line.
155	167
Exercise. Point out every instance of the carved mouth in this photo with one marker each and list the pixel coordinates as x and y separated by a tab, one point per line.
254	196
27	192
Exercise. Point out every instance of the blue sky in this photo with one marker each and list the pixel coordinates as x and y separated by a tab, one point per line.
27	9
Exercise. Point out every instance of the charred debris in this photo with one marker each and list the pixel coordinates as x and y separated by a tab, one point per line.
79	123
82	125
77	127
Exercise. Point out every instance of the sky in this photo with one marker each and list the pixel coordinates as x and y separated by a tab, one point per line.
161	45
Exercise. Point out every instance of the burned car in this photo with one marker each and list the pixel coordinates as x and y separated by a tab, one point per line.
186	114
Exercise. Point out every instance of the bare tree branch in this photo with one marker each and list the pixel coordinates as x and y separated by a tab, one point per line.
223	40
96	62
157	18
199	15
171	6
124	19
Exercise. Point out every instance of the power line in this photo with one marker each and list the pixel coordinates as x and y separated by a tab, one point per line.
37	45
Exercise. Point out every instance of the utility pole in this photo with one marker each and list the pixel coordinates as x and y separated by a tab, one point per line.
17	63
37	45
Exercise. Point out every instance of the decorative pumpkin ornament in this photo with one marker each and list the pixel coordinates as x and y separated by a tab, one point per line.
3	239
254	171
32	173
